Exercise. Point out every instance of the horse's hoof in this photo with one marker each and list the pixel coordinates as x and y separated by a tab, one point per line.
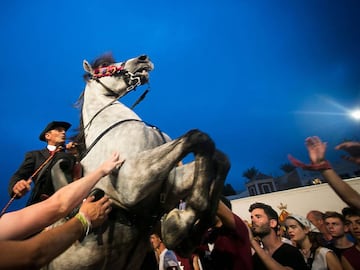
200	142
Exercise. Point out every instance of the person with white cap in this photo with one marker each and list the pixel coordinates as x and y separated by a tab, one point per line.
306	237
54	134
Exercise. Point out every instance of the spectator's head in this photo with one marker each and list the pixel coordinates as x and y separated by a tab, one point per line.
155	237
155	241
264	219
299	228
352	219
335	224
317	218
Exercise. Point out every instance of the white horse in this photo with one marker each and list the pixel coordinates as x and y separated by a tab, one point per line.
150	183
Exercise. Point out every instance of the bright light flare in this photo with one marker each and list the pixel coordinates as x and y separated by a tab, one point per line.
355	114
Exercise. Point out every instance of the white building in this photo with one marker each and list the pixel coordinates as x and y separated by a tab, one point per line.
263	184
297	201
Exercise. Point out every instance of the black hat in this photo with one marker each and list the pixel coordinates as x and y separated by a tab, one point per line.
53	125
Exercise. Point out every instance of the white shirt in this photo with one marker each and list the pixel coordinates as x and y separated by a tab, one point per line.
168	258
51	147
320	262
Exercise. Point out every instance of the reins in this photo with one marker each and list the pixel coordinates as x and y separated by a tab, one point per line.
140	98
103	133
115	125
115	71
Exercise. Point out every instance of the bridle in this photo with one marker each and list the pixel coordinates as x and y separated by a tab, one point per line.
132	82
113	71
116	71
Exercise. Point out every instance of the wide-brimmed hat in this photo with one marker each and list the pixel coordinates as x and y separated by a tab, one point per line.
304	221
53	125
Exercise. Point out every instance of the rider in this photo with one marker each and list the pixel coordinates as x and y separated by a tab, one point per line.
54	134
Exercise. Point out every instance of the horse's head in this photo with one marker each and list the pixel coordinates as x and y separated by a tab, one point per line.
119	78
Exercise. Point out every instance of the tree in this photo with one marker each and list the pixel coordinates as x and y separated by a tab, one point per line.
250	173
287	167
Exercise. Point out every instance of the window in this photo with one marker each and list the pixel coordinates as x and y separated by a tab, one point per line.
252	191
266	188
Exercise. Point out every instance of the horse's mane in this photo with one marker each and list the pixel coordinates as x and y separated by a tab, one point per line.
102	61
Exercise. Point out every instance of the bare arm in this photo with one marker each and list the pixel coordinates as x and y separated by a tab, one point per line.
37	216
317	149
332	260
268	261
196	263
342	189
225	215
32	253
39	250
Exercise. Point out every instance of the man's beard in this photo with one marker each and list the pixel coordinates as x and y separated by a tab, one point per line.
262	231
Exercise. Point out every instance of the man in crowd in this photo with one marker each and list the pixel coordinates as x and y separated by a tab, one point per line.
226	245
335	224
270	252
167	259
350	258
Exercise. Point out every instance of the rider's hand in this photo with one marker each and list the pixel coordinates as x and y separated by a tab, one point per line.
71	147
21	187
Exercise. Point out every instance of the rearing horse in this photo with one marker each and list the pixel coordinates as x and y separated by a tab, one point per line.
150	183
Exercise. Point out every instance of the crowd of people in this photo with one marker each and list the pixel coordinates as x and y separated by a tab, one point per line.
319	241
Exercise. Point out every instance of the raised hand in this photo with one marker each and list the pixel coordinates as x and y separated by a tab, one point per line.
353	149
113	163
316	149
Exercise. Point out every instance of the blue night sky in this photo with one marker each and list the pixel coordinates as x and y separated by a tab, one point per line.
257	76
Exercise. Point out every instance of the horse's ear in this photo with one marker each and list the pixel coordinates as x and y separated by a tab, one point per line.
87	67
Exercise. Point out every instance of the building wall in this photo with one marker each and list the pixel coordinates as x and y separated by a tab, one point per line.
298	200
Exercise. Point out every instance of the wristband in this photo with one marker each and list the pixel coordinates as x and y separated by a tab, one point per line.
85	223
324	165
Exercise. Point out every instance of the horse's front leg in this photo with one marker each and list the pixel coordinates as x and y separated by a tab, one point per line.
146	172
178	185
182	229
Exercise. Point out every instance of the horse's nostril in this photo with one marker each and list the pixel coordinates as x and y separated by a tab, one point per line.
143	57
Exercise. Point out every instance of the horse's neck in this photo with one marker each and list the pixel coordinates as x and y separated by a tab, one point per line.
99	106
